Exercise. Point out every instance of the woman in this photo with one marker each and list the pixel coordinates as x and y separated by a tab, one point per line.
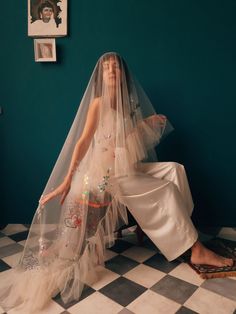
98	173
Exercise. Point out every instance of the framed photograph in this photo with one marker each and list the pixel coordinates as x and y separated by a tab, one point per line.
45	50
47	18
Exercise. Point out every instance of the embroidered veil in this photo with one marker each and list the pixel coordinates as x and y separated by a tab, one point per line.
67	241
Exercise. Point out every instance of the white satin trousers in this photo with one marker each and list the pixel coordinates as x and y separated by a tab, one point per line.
159	198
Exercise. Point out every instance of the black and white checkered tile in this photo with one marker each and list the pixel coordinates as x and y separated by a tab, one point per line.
134	280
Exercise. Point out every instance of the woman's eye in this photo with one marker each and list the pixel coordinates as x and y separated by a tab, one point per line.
105	66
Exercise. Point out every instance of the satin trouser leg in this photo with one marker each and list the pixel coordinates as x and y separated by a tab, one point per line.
170	171
159	206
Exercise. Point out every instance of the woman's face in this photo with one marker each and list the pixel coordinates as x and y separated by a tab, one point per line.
111	71
46	14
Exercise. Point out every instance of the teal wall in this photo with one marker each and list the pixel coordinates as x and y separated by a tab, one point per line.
183	53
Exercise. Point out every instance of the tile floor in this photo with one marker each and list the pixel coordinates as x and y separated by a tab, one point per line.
134	280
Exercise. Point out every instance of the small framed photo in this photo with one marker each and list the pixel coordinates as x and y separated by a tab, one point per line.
47	18
45	50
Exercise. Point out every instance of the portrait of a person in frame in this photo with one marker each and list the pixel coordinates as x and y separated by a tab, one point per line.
47	18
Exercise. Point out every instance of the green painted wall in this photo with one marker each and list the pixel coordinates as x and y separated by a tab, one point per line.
183	53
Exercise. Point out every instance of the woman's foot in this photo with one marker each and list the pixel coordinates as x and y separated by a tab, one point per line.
202	255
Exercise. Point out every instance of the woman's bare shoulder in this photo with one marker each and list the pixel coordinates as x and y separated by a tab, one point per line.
95	104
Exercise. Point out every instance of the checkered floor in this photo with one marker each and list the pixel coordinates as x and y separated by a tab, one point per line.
135	280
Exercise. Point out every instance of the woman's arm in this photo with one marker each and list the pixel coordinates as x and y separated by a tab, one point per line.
79	152
84	141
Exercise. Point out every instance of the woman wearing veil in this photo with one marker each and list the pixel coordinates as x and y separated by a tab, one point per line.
99	173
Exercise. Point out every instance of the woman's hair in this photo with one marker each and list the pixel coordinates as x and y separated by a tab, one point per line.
45	4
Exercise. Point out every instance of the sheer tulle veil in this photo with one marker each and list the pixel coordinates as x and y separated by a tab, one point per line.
67	242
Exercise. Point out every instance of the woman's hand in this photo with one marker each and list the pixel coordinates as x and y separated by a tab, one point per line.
156	118
62	189
160	118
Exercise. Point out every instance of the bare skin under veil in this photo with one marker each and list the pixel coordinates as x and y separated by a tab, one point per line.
114	129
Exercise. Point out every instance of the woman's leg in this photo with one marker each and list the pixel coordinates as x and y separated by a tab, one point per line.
158	207
173	172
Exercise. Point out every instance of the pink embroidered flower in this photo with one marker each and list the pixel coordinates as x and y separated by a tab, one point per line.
76	221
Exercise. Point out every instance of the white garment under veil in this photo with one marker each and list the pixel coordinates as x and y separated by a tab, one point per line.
66	242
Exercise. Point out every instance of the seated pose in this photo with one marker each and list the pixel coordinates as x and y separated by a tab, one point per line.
99	173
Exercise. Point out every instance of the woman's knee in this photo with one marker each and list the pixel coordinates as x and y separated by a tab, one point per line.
176	166
172	188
